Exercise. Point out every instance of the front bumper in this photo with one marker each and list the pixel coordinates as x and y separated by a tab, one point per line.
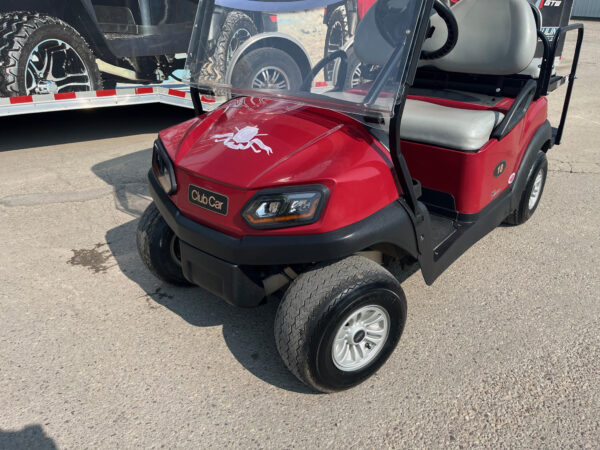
215	260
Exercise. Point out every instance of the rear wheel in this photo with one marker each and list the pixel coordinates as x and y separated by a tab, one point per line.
338	323
337	36
530	199
267	68
159	249
44	55
237	29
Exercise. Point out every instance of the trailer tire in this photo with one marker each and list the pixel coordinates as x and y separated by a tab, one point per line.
156	245
23	33
321	305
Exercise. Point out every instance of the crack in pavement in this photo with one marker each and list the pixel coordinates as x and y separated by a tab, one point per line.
48	198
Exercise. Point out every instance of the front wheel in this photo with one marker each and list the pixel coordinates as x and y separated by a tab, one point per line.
159	249
40	54
339	323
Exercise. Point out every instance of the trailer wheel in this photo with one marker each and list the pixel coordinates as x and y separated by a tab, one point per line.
338	323
532	194
267	68
40	54
158	247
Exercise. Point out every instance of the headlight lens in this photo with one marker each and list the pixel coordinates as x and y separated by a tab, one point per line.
163	168
299	206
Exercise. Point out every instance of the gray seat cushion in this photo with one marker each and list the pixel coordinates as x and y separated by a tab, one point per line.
460	129
496	37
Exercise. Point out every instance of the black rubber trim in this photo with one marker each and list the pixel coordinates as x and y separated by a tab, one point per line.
390	225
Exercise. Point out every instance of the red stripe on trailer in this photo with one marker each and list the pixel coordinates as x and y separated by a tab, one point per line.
23	99
208	99
65	96
321	84
144	90
176	93
106	93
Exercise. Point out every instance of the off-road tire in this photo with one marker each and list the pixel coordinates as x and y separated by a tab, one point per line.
234	22
20	32
154	238
337	22
314	306
249	66
523	213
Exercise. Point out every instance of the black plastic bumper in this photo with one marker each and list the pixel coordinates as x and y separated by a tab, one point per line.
212	259
223	279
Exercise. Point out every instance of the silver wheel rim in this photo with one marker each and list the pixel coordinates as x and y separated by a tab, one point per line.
53	67
537	189
239	37
271	78
356	77
360	338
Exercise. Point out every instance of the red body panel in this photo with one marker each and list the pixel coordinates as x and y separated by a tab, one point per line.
469	176
306	146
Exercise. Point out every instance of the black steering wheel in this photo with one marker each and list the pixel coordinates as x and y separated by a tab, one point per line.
447	16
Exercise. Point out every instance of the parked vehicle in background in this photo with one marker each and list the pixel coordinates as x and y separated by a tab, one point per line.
60	46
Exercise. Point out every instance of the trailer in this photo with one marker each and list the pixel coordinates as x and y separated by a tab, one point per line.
69	54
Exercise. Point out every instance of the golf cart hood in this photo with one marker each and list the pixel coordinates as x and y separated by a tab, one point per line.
251	142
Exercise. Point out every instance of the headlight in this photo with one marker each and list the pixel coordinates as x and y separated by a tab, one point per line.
286	208
163	168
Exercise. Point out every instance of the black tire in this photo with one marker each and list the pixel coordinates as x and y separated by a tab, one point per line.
524	212
237	28
251	66
337	35
158	247
318	302
21	32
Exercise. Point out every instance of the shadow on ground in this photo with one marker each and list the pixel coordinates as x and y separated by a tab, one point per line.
32	436
86	125
248	333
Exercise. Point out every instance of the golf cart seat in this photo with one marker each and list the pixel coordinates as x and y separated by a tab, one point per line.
495	38
459	129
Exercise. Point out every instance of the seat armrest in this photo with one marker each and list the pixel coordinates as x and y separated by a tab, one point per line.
517	111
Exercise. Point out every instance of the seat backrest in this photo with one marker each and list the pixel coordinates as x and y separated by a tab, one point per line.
496	37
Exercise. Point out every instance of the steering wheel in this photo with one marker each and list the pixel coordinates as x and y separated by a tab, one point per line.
447	16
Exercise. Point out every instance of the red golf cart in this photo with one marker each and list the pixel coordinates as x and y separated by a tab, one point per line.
312	190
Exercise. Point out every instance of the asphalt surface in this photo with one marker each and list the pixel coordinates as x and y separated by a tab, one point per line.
502	351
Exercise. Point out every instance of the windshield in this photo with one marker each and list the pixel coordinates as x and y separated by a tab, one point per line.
320	52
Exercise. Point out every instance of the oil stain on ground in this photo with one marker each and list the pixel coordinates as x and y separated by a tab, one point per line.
95	259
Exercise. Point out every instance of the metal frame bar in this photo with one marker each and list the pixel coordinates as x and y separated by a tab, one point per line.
560	33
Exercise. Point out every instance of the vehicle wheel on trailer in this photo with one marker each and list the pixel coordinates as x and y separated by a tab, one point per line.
267	68
159	249
237	28
338	323
532	194
40	54
337	35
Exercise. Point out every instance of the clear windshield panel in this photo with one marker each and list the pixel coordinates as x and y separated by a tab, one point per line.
309	51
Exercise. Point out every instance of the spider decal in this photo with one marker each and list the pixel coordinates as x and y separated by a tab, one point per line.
244	139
